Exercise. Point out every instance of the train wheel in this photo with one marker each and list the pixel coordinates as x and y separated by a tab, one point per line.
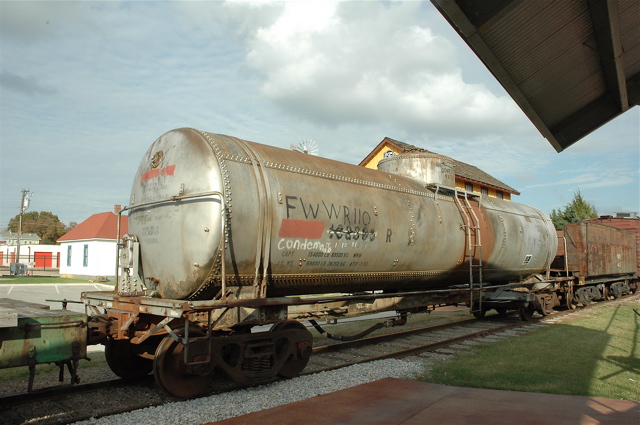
526	313
545	304
543	308
501	310
124	362
170	373
568	300
478	312
549	304
292	366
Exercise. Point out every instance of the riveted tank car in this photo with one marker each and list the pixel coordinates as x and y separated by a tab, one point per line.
225	234
293	224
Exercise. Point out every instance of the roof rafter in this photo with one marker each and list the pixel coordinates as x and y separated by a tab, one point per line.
607	33
458	19
571	66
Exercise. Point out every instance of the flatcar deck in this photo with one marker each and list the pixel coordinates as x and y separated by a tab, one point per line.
392	401
32	334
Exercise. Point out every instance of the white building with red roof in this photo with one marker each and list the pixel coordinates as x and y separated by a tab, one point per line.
89	250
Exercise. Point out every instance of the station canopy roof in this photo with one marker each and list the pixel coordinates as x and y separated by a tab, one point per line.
571	65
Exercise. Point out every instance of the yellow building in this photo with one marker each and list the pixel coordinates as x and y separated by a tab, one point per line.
468	177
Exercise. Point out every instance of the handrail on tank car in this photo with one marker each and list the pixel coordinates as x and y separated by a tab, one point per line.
178	198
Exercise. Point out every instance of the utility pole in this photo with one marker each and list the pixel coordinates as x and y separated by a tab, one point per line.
24	204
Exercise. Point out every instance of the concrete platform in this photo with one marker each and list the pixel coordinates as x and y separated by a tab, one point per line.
392	401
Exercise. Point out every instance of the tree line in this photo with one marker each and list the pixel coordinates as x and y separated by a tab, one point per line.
44	223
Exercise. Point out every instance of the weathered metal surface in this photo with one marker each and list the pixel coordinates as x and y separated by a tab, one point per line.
392	401
593	250
8	317
41	335
299	224
130	317
426	167
561	244
631	224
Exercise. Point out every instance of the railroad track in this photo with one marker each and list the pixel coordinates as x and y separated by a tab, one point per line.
74	403
406	343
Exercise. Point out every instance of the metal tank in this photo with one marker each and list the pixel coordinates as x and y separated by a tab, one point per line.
427	167
300	224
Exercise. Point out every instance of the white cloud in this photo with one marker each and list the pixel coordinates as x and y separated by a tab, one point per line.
28	85
610	181
29	21
362	63
581	180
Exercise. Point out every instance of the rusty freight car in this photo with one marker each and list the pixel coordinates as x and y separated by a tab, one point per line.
601	260
625	221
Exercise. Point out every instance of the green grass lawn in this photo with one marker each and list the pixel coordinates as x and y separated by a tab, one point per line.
13	280
596	355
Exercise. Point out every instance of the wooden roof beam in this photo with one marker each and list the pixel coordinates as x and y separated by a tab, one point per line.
460	21
585	120
606	27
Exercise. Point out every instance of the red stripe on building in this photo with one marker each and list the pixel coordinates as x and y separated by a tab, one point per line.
301	229
152	174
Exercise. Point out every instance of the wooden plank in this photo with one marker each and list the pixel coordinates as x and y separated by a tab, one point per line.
8	318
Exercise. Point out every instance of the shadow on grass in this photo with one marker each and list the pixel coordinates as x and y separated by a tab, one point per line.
533	362
594	356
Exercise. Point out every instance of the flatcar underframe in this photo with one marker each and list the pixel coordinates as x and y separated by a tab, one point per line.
184	342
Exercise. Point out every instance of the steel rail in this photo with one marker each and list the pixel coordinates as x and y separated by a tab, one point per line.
421	348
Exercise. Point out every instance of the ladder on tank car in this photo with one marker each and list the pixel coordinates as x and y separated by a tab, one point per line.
474	244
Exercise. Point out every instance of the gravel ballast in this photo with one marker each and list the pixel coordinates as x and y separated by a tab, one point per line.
236	403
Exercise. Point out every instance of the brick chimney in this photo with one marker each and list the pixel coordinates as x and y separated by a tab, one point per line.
117	209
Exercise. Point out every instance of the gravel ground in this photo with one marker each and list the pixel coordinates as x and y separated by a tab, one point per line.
227	405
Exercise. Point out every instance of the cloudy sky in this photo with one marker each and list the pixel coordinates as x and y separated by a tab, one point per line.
86	87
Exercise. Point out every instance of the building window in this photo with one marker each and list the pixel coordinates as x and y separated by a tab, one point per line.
69	256
85	259
499	195
468	187
485	191
388	154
